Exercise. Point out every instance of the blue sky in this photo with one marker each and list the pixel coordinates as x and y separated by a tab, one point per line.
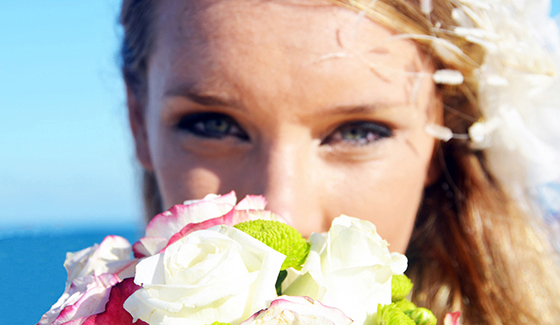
65	152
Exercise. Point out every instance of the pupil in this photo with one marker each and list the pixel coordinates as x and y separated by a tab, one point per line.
354	134
218	126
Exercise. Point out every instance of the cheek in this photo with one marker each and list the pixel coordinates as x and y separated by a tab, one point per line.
184	175
185	182
399	198
179	176
387	191
388	196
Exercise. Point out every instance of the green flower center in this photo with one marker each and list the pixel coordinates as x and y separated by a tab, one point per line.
400	287
281	237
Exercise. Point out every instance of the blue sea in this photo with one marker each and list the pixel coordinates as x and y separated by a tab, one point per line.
32	275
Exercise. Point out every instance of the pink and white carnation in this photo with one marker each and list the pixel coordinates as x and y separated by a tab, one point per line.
112	256
85	296
182	219
113	312
290	310
91	274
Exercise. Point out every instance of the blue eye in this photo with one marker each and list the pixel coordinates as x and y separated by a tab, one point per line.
358	133
211	125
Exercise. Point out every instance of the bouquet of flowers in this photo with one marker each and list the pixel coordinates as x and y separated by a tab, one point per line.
214	261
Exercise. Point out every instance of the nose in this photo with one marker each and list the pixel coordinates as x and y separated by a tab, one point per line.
285	173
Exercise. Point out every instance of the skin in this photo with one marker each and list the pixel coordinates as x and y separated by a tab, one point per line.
318	110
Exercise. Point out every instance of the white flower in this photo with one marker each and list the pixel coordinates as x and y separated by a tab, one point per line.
111	256
168	226
85	296
350	268
290	310
91	273
220	274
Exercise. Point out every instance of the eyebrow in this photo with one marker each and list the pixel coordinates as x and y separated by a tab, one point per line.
360	108
347	111
203	98
209	99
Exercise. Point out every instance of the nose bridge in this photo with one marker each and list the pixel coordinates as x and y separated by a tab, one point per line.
284	176
287	182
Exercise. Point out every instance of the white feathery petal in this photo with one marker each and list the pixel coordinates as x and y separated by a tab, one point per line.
476	3
518	81
495	80
474	16
461	18
479	131
476	32
491	47
426	6
439	132
448	77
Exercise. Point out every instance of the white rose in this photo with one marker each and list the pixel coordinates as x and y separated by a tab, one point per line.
350	268
220	274
289	310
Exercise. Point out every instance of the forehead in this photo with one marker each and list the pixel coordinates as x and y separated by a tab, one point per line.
303	39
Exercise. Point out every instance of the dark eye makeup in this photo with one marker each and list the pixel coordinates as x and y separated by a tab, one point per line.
211	125
358	133
215	125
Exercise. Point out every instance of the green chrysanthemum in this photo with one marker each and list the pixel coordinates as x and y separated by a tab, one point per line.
405	305
391	315
422	316
400	287
281	237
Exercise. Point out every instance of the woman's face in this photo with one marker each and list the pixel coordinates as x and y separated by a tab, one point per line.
307	103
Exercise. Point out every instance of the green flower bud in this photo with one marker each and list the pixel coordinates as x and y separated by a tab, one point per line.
422	316
400	287
281	237
405	305
391	315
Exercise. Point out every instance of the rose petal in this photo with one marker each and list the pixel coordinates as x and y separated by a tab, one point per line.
220	274
107	257
251	202
350	268
148	246
85	296
114	313
298	310
167	223
91	272
230	219
452	318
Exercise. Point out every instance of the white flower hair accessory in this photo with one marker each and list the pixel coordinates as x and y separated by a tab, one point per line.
519	92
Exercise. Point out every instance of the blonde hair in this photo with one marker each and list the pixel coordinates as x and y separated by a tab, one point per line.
473	248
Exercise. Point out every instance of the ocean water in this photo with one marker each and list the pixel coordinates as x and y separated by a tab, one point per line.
32	274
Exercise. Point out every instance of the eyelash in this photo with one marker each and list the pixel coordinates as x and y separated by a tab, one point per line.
362	133
219	126
211	125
